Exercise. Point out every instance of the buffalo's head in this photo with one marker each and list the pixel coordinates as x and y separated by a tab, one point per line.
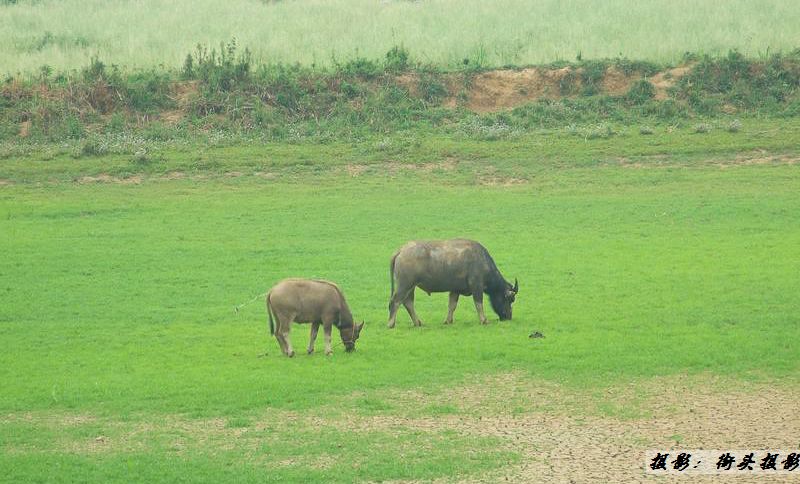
503	299
350	336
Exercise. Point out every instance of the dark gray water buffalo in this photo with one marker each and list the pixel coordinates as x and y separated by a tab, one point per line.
458	266
312	301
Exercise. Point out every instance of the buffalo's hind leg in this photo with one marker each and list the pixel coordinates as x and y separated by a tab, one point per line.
394	303
282	334
279	333
313	338
451	307
409	304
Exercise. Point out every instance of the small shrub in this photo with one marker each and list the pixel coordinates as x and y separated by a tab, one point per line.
69	127
734	126
396	59
117	123
223	71
430	88
645	130
94	147
592	77
487	130
187	72
149	91
568	85
640	92
141	157
702	128
601	131
363	68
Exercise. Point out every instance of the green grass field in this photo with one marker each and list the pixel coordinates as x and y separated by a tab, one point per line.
443	32
638	258
651	216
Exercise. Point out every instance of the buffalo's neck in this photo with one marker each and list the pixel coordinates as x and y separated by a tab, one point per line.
345	317
495	283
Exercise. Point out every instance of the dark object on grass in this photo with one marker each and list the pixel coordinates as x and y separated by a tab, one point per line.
536	334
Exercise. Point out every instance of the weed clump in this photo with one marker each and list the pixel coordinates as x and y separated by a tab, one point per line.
487	130
94	147
702	128
640	92
397	59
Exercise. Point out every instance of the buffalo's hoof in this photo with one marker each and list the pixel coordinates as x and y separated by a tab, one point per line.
290	354
310	351
390	325
328	353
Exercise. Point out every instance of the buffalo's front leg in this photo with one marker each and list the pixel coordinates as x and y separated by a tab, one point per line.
313	338
326	329
478	298
451	308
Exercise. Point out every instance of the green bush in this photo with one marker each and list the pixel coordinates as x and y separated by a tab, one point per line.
640	92
396	59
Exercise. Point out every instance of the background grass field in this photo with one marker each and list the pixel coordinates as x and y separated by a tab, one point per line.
443	32
118	321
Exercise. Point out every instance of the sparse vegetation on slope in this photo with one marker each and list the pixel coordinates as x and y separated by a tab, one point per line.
223	90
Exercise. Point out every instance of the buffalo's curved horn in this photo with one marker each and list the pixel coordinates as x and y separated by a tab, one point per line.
516	285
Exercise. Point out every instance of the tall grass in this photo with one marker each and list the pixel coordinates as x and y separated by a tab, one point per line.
66	33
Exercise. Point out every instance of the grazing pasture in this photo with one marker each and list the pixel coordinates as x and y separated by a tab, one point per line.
144	34
665	288
647	203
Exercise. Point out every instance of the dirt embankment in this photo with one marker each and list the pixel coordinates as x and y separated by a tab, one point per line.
480	92
503	89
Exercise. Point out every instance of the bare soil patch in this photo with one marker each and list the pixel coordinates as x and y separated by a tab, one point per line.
562	434
759	158
106	178
569	436
615	82
184	93
355	170
507	89
24	129
665	80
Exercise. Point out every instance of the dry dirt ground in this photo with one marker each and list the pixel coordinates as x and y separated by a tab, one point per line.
562	434
504	89
568	436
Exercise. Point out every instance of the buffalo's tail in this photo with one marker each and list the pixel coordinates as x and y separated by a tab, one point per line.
391	274
269	314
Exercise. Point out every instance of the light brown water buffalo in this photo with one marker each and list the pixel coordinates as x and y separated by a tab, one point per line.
312	301
458	266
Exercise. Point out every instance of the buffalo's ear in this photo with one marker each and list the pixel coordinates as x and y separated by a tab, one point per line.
516	285
359	326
